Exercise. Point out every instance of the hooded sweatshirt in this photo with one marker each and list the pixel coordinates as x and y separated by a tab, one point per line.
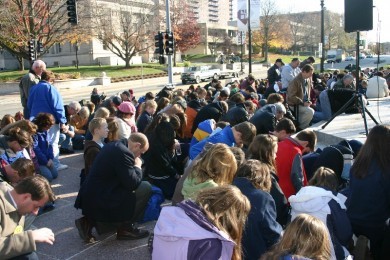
331	210
184	232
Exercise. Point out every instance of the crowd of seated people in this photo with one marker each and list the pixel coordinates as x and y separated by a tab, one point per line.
229	161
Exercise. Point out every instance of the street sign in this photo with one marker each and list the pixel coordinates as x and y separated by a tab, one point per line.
241	37
320	50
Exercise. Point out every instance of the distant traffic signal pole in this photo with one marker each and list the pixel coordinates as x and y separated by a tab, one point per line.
170	73
322	37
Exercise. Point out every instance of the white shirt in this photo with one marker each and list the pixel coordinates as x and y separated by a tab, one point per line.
376	84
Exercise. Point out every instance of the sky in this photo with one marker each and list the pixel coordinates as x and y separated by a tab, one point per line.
338	6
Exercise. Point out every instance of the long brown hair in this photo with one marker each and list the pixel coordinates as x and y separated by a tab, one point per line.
257	173
228	209
263	148
376	148
306	236
218	164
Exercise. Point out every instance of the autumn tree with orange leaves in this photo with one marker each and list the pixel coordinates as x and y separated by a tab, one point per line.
184	26
45	21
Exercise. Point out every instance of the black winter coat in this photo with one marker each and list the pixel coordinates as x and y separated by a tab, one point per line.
108	193
264	120
211	111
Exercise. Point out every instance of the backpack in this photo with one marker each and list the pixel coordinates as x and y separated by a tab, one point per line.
153	209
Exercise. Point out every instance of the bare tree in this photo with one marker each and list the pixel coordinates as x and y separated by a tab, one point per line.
44	21
125	29
268	24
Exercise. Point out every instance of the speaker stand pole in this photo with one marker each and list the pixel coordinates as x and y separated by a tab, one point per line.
357	97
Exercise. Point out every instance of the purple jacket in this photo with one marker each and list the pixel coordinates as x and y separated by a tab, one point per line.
184	232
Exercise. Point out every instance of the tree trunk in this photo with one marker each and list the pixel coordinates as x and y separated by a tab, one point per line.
127	62
266	41
174	58
21	63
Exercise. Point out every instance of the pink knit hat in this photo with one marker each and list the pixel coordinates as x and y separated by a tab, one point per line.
127	108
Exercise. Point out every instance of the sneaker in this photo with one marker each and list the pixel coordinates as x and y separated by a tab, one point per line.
62	167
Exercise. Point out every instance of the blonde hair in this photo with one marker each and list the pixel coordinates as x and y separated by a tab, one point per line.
218	164
102	112
96	123
258	174
113	130
227	208
306	236
84	112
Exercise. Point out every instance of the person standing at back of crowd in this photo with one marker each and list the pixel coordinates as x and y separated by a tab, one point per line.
289	72
298	96
45	98
274	76
29	80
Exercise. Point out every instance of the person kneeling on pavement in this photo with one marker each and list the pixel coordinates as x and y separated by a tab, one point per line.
113	193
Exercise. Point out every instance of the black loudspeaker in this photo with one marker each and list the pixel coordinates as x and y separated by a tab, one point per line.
358	15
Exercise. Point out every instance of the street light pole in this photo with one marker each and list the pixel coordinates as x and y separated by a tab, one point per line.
250	37
170	74
322	37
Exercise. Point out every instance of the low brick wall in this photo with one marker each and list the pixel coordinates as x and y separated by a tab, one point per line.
12	87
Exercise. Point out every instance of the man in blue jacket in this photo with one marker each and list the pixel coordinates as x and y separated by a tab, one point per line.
45	98
239	135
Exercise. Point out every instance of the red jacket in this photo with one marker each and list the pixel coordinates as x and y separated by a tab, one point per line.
289	165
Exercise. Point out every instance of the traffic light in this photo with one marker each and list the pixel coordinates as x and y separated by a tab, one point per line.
159	44
40	47
31	49
162	60
169	43
72	11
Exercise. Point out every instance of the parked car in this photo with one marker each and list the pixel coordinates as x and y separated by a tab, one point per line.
362	56
369	56
349	58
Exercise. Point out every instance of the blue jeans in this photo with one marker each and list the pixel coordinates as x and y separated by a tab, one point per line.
65	140
54	133
49	173
323	108
78	142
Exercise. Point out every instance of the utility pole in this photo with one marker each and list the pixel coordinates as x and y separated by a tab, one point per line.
170	74
322	37
250	37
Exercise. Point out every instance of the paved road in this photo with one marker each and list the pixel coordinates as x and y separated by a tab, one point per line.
10	103
364	63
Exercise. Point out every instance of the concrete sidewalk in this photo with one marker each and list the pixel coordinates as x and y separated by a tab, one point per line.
68	244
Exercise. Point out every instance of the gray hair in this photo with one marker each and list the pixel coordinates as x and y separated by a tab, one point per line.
275	108
75	105
39	64
348	76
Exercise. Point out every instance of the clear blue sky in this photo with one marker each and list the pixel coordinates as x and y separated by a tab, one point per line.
338	6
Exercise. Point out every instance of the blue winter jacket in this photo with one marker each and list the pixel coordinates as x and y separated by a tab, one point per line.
261	229
45	98
42	147
224	136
